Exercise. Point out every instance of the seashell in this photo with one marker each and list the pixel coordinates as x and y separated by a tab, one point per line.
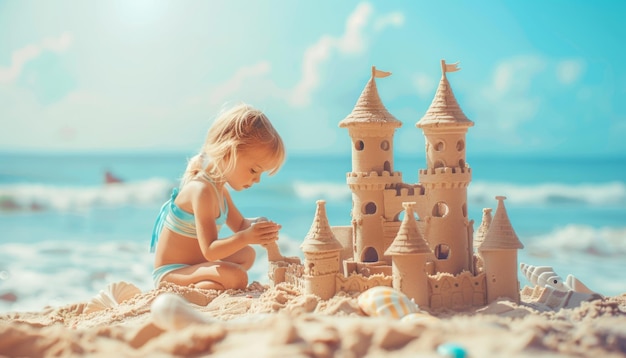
548	298
383	301
171	312
421	317
576	285
543	276
112	296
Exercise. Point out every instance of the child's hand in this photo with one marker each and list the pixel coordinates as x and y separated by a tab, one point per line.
261	233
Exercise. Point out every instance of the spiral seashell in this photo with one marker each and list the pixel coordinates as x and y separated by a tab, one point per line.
548	298
112	296
172	312
544	276
383	301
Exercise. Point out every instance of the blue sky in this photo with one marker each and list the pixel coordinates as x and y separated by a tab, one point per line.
538	77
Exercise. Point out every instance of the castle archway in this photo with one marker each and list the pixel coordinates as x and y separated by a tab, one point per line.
369	255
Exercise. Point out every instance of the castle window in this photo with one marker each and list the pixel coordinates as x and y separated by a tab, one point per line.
369	255
387	166
460	145
440	209
461	163
442	251
464	210
369	208
439	164
440	146
359	145
384	145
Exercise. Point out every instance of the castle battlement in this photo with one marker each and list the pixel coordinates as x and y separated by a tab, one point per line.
445	177
372	180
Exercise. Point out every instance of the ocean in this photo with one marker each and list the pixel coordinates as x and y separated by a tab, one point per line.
65	234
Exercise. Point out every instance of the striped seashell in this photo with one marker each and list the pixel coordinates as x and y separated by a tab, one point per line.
421	317
544	276
112	296
383	301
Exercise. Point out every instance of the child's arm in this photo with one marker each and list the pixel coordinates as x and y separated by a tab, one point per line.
214	249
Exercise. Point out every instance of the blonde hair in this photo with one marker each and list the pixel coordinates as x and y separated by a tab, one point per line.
239	128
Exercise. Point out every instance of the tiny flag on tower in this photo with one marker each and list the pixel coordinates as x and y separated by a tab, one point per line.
379	73
450	67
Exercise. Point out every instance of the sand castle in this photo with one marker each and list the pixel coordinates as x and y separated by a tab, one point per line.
416	238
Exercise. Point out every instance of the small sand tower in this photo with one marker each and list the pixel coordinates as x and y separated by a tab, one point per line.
321	256
409	252
499	254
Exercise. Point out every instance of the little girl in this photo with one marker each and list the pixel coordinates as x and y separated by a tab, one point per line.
240	145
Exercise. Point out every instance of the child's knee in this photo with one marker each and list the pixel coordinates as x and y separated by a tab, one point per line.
237	279
248	257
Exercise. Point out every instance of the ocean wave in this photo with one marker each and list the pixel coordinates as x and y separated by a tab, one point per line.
581	239
321	190
611	193
34	197
155	190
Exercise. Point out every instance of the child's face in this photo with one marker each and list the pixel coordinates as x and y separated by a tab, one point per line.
251	163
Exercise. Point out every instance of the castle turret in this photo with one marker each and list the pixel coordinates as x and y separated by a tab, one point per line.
371	128
446	179
409	252
321	256
499	254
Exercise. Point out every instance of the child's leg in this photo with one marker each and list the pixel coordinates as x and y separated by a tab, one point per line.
244	257
216	275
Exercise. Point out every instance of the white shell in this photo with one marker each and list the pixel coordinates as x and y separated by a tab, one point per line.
112	296
385	301
552	299
543	276
171	312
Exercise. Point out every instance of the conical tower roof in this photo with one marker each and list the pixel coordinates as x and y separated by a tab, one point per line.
444	109
408	241
483	228
500	235
369	109
320	237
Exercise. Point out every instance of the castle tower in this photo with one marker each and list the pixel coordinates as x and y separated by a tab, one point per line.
321	256
409	252
499	253
446	179
371	128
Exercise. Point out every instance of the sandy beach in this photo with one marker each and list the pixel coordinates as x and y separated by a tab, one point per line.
264	321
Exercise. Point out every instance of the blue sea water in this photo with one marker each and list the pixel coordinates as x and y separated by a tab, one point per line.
65	235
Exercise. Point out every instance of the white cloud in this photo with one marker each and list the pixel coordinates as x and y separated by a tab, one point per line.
392	19
27	53
569	71
244	75
507	101
352	41
516	74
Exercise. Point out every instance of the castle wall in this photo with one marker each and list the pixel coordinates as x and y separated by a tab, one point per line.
457	292
358	283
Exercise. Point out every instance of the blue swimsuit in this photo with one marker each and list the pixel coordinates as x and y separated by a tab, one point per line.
181	222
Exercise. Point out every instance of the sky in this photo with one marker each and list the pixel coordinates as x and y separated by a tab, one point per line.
537	77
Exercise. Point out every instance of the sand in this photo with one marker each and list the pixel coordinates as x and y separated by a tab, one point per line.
264	321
